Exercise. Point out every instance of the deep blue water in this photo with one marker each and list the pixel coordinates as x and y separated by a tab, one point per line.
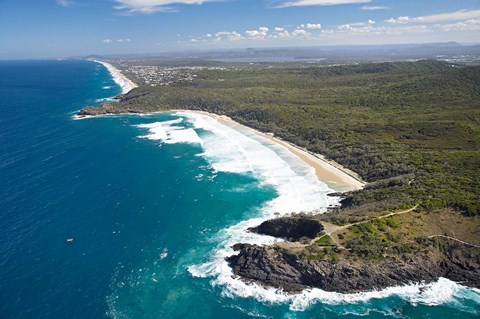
140	213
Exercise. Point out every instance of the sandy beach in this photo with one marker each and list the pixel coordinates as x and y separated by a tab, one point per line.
125	83
336	176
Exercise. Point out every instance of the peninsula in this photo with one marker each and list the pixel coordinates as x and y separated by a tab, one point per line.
411	130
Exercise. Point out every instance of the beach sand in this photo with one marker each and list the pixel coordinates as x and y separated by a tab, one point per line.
125	83
336	176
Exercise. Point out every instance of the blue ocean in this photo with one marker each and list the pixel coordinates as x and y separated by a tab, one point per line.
132	216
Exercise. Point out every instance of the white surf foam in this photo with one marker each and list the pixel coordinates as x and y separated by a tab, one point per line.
125	83
229	150
167	132
163	254
106	99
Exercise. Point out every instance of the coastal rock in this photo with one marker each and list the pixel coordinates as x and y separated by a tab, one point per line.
106	109
268	267
290	228
275	267
337	194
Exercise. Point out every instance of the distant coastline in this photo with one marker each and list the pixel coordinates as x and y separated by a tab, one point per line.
125	83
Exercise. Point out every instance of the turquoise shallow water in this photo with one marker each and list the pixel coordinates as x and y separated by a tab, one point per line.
149	217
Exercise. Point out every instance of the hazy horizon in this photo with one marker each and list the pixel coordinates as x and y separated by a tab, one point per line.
64	28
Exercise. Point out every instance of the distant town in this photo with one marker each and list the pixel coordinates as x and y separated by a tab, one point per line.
155	75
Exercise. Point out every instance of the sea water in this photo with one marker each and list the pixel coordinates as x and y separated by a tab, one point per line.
132	216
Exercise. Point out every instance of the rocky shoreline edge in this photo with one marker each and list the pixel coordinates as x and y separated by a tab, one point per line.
283	268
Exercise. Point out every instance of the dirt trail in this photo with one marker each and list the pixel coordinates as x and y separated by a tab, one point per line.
456	239
329	229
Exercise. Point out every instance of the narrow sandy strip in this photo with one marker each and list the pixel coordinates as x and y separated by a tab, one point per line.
333	174
125	83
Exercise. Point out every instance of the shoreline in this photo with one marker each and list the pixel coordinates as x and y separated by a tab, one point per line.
120	79
414	281
337	177
334	175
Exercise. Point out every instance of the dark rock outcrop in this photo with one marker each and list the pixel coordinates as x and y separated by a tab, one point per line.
290	228
274	267
107	109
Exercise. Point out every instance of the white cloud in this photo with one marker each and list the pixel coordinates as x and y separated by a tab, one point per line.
356	29
65	3
441	17
314	26
399	20
152	6
344	27
401	28
121	40
301	3
230	36
301	33
472	24
373	8
451	16
356	24
280	33
262	32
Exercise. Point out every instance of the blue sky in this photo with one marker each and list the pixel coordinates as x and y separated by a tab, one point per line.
56	28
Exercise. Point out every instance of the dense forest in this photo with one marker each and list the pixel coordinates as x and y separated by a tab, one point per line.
410	129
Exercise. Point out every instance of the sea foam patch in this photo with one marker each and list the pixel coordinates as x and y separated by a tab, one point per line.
169	133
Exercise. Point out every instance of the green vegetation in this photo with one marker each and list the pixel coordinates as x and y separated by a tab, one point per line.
374	239
324	240
410	129
318	252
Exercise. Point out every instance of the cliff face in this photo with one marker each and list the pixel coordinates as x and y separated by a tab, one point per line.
277	268
291	228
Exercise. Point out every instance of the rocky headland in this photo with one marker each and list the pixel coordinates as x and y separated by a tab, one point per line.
290	228
330	268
